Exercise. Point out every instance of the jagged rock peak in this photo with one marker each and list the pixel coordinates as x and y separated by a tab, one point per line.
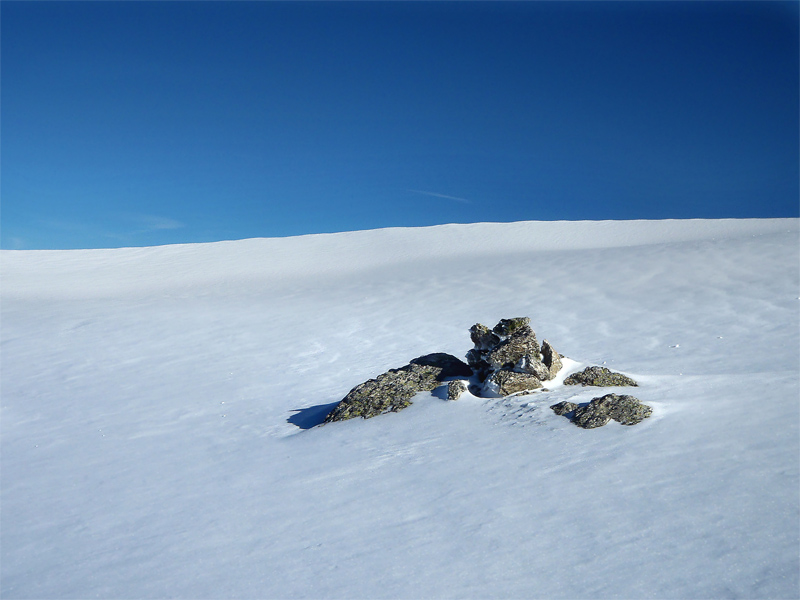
483	337
508	326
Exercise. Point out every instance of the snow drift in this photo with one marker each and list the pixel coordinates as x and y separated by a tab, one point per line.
157	410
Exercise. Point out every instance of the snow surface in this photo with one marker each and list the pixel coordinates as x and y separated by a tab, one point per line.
157	410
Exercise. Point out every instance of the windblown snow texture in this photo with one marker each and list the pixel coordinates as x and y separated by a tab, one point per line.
159	409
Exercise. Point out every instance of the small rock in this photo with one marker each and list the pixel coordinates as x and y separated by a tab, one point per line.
510	382
599	377
626	410
588	419
533	366
477	361
483	337
508	326
455	389
551	359
564	408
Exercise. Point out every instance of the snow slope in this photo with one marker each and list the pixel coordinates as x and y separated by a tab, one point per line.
157	409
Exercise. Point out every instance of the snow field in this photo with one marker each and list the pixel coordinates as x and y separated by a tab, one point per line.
154	402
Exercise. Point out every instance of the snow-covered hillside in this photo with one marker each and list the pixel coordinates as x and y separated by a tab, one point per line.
157	406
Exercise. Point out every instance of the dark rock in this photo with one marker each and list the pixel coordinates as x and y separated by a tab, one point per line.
509	382
450	365
455	389
589	419
600	377
507	327
477	361
393	390
551	359
564	408
626	410
476	390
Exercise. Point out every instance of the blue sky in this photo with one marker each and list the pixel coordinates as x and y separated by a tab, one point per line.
139	123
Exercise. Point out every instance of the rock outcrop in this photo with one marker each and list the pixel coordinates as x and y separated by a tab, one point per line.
393	390
455	389
508	358
600	377
624	409
564	408
505	360
505	383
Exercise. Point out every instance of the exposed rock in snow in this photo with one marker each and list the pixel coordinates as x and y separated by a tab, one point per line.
508	357
507	327
626	410
599	377
505	382
393	390
551	359
483	337
533	366
564	408
521	343
455	389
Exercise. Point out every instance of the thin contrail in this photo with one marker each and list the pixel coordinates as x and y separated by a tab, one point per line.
435	195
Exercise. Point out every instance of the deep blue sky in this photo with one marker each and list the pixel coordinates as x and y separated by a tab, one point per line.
161	122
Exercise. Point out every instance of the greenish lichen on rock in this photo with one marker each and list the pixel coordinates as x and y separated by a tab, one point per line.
392	391
508	358
624	409
599	377
507	327
455	389
564	408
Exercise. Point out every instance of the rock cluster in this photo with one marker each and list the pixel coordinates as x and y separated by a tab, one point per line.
508	358
393	390
626	410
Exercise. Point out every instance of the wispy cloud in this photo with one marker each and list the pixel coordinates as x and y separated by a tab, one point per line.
146	223
437	195
153	222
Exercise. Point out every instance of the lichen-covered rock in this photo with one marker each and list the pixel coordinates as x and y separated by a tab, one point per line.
393	390
483	337
507	327
551	359
455	389
507	354
600	377
510	346
626	410
533	366
564	408
510	382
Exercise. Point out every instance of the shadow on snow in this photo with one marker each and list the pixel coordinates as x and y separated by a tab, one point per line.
306	418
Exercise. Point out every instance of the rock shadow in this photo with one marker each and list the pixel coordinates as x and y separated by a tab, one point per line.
306	418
